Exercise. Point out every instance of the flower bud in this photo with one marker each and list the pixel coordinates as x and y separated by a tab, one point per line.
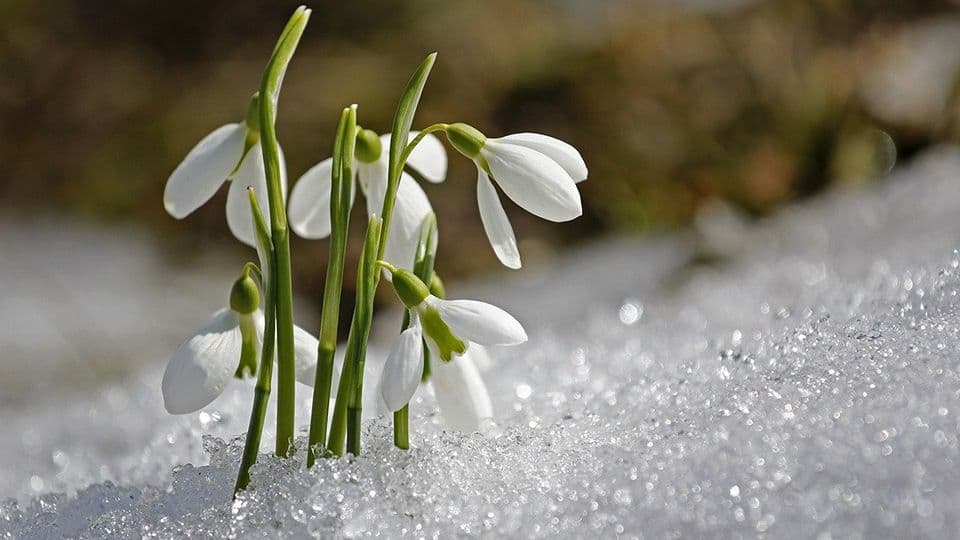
411	290
466	139
244	296
368	148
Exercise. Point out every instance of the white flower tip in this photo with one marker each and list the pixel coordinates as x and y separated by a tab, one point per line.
571	211
511	262
172	209
517	335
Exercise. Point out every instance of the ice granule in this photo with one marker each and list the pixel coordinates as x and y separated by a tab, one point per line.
808	387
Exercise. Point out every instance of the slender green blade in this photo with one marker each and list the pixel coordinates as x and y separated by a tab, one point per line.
402	121
406	111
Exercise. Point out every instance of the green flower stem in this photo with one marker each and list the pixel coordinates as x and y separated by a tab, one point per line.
269	93
347	412
416	140
261	394
401	428
340	198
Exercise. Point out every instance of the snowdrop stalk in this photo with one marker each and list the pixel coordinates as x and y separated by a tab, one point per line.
341	186
261	395
280	236
423	269
345	428
348	407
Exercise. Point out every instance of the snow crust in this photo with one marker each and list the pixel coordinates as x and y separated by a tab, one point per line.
805	383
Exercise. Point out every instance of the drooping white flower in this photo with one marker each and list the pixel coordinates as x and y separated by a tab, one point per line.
538	172
309	210
451	328
230	153
450	324
457	385
203	365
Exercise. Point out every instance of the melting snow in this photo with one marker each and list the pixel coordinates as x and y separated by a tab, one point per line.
808	386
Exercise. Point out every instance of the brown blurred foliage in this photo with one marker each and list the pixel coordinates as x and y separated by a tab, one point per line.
671	103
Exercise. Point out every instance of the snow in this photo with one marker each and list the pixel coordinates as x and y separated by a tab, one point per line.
805	385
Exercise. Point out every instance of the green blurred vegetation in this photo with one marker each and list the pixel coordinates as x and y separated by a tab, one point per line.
673	104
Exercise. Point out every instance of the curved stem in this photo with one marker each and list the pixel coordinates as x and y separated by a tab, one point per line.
251	268
261	395
269	92
416	140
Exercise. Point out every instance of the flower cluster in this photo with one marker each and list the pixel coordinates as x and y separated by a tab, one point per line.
443	341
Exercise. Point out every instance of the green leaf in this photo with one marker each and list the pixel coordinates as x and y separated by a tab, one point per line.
398	142
405	113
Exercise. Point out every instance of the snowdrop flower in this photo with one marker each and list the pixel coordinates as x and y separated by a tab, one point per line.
203	365
231	152
449	327
309	211
538	172
457	385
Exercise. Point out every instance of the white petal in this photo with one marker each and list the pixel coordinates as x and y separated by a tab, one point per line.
429	157
481	358
480	322
250	173
372	178
239	216
461	394
403	369
305	355
533	181
204	170
409	210
563	153
495	222
202	366
309	210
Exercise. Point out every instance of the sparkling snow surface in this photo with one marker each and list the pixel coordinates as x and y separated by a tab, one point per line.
806	384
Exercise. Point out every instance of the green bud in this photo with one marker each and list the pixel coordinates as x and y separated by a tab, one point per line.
466	139
244	296
252	119
368	148
448	344
411	290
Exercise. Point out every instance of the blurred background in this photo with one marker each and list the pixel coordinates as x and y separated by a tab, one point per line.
680	108
674	104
